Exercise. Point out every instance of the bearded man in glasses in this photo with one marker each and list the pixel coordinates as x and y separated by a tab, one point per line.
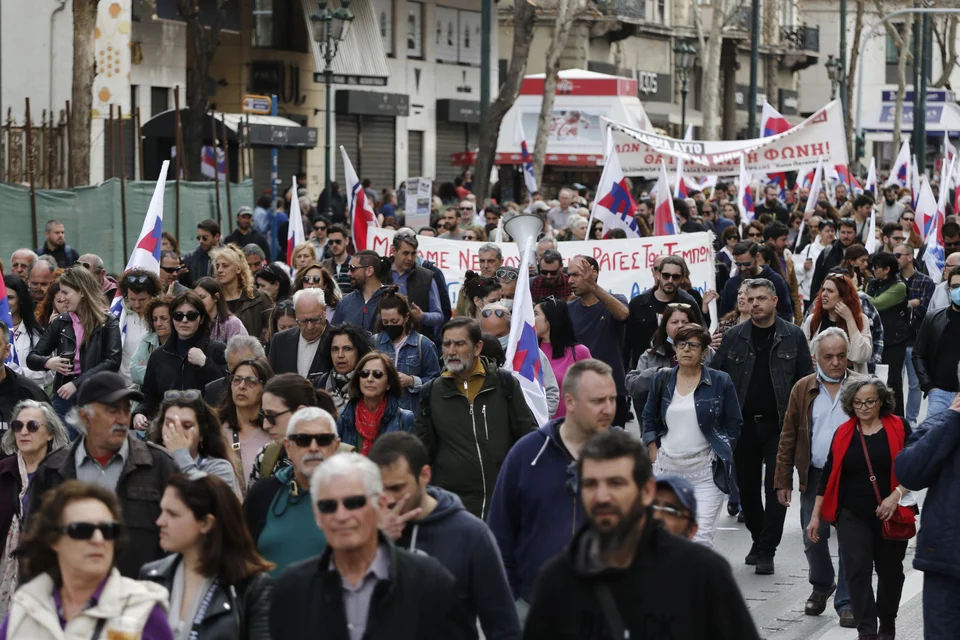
107	454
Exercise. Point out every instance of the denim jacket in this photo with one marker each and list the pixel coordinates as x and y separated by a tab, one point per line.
789	360
418	359
718	415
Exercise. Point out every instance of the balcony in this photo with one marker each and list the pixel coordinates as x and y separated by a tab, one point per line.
632	11
802	38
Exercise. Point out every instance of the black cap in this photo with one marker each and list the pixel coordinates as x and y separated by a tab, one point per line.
105	387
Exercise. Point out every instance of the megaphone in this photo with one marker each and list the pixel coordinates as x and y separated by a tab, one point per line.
522	227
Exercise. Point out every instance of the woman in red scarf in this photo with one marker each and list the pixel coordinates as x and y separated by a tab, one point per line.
848	498
374	406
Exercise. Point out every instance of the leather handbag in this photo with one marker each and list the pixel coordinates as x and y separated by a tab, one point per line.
896	528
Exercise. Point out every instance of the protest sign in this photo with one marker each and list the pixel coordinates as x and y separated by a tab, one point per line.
419	194
800	147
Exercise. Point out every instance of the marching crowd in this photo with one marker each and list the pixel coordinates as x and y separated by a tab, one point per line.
340	454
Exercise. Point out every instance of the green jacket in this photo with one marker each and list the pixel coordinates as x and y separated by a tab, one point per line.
468	442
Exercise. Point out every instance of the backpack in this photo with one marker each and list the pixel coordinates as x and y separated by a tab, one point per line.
271	455
505	385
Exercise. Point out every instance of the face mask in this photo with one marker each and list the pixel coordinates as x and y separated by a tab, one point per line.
394	331
507	302
823	376
504	340
955	296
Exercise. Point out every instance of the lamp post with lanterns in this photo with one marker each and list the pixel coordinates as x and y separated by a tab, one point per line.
685	54
834	72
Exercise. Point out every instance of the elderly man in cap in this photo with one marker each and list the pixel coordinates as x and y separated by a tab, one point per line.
245	234
108	455
675	505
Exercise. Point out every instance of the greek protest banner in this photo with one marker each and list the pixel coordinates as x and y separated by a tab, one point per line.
624	264
419	192
800	147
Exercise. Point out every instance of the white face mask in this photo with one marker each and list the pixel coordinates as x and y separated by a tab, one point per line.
507	302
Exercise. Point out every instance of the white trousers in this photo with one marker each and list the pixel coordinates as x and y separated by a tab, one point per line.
698	471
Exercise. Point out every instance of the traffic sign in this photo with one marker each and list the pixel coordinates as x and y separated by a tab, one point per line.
261	105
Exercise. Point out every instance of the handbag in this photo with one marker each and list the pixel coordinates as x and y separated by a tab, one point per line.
895	528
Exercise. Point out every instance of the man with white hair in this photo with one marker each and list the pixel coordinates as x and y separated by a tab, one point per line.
239	348
277	509
21	261
296	350
107	454
559	215
363	586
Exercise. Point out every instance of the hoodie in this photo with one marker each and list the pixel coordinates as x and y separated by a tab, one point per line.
535	512
463	544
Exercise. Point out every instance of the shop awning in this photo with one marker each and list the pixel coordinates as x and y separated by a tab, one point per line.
941	118
669	113
360	59
265	131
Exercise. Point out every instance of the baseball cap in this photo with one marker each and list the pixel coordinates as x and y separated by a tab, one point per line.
682	489
244	211
105	387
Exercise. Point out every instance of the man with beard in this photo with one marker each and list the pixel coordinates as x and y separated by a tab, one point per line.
772	205
360	306
428	520
537	478
338	265
450	223
623	575
890	208
468	441
277	509
55	245
748	267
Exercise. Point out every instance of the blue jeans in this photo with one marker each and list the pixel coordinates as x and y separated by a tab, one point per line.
818	555
62	407
939	401
941	606
914	395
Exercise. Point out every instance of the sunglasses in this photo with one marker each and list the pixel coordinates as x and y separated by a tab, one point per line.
31	425
743	265
910	219
754	235
312	279
683	306
84	530
320	228
509	274
189	316
132	279
171	269
303	440
350	503
272	417
499	312
250	381
377	374
335	241
549	272
190	395
465	208
671	276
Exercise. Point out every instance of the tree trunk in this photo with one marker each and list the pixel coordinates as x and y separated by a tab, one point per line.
524	17
904	54
710	92
851	74
84	71
567	11
771	37
947	44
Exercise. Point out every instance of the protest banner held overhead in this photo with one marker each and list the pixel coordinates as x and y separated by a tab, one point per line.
419	197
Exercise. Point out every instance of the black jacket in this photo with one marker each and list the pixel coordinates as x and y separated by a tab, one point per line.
140	487
15	388
925	350
102	351
284	348
260	496
674	589
166	370
66	256
789	360
418	602
199	265
10	487
235	612
215	391
643	322
252	237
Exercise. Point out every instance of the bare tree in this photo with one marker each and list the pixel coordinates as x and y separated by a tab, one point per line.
524	16
851	72
771	37
203	41
566	16
902	42
946	36
84	71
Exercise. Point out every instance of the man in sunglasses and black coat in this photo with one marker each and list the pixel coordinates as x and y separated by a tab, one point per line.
108	455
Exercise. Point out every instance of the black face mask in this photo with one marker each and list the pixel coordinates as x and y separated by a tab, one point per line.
393	330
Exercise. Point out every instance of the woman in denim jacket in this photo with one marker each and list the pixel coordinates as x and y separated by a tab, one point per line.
691	422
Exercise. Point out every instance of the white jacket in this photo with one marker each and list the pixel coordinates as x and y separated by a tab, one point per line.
861	342
125	604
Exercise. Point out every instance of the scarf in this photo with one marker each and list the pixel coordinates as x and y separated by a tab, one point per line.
368	423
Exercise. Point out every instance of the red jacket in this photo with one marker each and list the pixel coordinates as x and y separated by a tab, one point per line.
842	440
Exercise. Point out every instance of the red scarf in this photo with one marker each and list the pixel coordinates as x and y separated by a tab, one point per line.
368	423
842	441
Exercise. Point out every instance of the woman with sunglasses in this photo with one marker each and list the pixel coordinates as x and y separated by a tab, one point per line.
218	583
83	340
415	356
240	412
223	324
188	428
838	305
480	291
729	239
70	586
754	231
557	340
374	407
189	359
232	272
34	432
314	276
159	328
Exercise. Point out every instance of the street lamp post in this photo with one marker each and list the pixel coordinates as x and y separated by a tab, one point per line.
685	55
329	30
834	71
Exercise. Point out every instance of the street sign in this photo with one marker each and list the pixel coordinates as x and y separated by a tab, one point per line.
260	105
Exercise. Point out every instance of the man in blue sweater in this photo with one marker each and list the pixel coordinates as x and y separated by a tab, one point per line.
431	521
535	513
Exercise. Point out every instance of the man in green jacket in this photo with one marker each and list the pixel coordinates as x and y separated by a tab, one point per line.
469	417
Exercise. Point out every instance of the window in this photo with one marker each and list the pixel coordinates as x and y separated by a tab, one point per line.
384	13
787	13
415	30
159	100
661	11
277	24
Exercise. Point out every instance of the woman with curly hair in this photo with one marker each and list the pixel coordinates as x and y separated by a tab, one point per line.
232	272
838	305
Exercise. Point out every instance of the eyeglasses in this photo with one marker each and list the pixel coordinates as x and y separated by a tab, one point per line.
671	276
303	440
376	373
171	269
272	417
189	316
31	425
249	381
869	403
350	503
687	345
305	321
671	510
84	530
498	312
312	279
509	274
190	395
134	279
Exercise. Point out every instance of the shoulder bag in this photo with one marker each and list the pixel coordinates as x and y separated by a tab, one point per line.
895	528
